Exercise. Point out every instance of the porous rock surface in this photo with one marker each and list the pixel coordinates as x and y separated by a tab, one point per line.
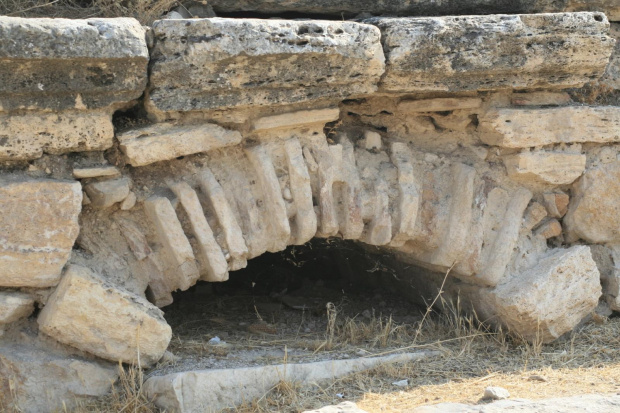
446	143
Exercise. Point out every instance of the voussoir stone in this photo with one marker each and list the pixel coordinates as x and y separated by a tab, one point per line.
594	210
92	315
165	141
38	226
551	298
204	64
57	64
434	54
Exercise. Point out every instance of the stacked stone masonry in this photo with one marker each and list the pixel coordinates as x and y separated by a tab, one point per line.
453	143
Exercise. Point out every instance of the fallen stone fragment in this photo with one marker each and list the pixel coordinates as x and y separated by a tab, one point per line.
595	403
96	172
344	407
549	229
201	390
129	202
165	141
29	135
540	99
104	194
92	315
439	104
38	227
523	128
594	211
14	306
493	52
35	380
241	62
533	215
545	167
556	203
552	297
300	118
495	393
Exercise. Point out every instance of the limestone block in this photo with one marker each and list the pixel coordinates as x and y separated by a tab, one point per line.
439	104
96	172
533	215
522	128
223	63
541	99
28	135
554	168
411	7
104	194
493	52
59	64
296	119
551	298
549	229
215	389
92	315
165	141
14	306
46	381
38	226
610	7
594	210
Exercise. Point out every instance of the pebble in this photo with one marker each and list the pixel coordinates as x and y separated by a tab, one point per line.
401	383
495	393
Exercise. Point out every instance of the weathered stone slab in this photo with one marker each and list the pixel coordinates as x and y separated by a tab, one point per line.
545	167
296	119
493	52
540	99
96	172
46	381
58	64
410	7
594	210
216	389
439	104
165	141
92	315
27	136
14	306
551	298
38	226
104	194
224	63
523	128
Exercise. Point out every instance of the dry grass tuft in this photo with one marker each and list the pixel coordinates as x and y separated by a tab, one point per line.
146	11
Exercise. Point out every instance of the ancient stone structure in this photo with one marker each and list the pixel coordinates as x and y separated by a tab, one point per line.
458	143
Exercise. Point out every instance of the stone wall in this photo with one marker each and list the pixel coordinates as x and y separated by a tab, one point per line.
136	161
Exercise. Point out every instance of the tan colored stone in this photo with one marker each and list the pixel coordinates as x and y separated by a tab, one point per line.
296	119
165	141
104	194
44	380
28	136
594	210
14	306
432	54
549	229
541	99
533	215
92	315
96	172
523	128
551	298
129	202
556	203
545	167
38	226
439	104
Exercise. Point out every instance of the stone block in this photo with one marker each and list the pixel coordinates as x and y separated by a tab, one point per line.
594	210
92	315
165	141
38	226
439	104
104	194
36	380
551	298
96	172
14	306
540	99
222	63
297	119
59	64
523	128
545	167
450	54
